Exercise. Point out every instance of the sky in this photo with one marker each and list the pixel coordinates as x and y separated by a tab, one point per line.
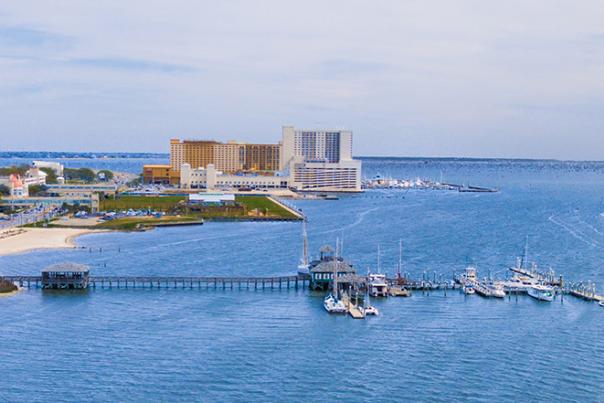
464	78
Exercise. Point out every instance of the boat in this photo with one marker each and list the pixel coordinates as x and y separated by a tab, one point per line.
496	290
333	305
468	289
397	289
304	266
369	309
468	276
377	285
601	303
541	292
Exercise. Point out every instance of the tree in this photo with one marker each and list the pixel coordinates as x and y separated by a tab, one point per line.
51	176
37	190
105	175
21	170
82	174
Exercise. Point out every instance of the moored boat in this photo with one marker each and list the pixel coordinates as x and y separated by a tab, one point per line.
333	305
541	292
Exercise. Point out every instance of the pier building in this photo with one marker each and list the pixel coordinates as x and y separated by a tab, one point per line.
322	271
65	276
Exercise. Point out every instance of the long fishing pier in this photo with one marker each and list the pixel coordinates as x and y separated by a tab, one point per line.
166	282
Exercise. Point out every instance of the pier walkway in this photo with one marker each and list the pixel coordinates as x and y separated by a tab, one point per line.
181	282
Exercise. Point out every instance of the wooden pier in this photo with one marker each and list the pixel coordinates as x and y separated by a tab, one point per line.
169	282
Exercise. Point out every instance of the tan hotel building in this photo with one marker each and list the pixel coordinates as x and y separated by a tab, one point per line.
228	157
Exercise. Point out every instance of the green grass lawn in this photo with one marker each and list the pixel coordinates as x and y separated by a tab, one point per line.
265	205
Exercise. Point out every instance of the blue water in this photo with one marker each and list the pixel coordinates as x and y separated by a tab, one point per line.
240	345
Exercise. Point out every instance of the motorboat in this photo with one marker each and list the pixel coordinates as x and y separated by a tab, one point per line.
333	305
468	289
601	303
468	276
371	310
541	292
496	290
378	287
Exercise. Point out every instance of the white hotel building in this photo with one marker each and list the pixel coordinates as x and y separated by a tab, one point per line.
311	160
320	160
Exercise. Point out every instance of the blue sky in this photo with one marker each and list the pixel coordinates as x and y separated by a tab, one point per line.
411	78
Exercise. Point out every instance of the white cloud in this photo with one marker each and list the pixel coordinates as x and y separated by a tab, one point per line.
424	77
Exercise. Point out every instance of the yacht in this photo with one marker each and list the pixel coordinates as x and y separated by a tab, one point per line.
377	285
496	290
541	292
333	305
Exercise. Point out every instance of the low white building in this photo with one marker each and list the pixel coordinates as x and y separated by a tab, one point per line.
212	199
55	166
210	178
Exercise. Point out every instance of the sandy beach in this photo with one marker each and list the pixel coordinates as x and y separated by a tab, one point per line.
28	239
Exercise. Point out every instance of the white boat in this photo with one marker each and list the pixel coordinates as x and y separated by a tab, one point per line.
541	292
468	289
601	303
333	305
369	309
469	276
496	290
377	285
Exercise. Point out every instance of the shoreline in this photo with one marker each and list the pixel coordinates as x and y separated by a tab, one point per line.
31	239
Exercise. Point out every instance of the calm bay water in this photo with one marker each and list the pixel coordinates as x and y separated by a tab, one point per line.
217	345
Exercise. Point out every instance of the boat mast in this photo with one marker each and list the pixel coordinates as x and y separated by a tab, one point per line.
378	259
305	244
525	257
400	257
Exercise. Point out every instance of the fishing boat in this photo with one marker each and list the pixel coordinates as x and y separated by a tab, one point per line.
541	292
304	266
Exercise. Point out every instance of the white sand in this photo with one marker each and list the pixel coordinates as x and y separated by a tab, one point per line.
41	238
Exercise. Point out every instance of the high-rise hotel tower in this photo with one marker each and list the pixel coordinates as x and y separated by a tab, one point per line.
320	159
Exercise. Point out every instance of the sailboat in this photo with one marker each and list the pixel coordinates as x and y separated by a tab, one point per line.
368	308
332	303
303	267
399	290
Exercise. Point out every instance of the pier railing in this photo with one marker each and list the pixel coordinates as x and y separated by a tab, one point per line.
176	282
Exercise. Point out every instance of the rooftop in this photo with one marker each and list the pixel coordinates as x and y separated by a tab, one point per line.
66	267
